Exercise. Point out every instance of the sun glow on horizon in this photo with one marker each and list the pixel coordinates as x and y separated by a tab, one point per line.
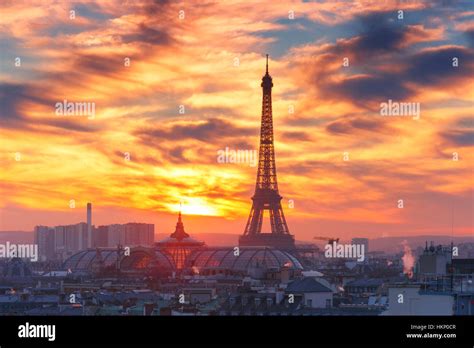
194	206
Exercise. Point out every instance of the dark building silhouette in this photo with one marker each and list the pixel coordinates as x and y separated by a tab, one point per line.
266	196
179	244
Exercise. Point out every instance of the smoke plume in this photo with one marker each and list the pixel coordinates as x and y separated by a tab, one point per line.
408	260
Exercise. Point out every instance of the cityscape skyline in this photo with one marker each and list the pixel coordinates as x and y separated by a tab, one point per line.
288	163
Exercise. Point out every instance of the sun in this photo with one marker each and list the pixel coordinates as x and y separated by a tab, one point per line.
194	206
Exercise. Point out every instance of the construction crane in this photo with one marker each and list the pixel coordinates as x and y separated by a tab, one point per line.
329	239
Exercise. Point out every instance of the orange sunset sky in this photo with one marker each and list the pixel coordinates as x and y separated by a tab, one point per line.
209	56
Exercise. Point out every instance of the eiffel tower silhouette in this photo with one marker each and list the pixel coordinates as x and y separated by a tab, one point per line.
266	196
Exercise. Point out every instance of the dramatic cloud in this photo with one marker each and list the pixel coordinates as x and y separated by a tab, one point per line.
175	82
459	138
347	126
435	66
207	130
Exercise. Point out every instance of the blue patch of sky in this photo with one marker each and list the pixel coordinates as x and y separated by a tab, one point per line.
64	29
91	11
298	32
444	13
10	49
301	30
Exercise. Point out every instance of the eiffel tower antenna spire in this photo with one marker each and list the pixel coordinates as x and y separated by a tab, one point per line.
266	196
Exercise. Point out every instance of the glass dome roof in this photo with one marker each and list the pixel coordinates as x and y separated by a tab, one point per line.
224	258
84	260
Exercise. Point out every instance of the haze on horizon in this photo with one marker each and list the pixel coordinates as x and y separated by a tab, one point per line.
211	63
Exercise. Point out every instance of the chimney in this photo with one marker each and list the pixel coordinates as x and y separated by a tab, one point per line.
89	225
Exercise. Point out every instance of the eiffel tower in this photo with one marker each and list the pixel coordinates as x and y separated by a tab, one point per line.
266	196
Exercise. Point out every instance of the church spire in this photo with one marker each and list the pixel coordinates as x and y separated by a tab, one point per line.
179	232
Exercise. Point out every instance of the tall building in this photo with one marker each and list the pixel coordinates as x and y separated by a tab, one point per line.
100	237
44	238
266	196
139	234
130	234
60	242
70	239
115	235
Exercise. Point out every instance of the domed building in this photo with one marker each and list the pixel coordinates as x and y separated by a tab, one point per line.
140	259
168	255
244	262
179	245
181	253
